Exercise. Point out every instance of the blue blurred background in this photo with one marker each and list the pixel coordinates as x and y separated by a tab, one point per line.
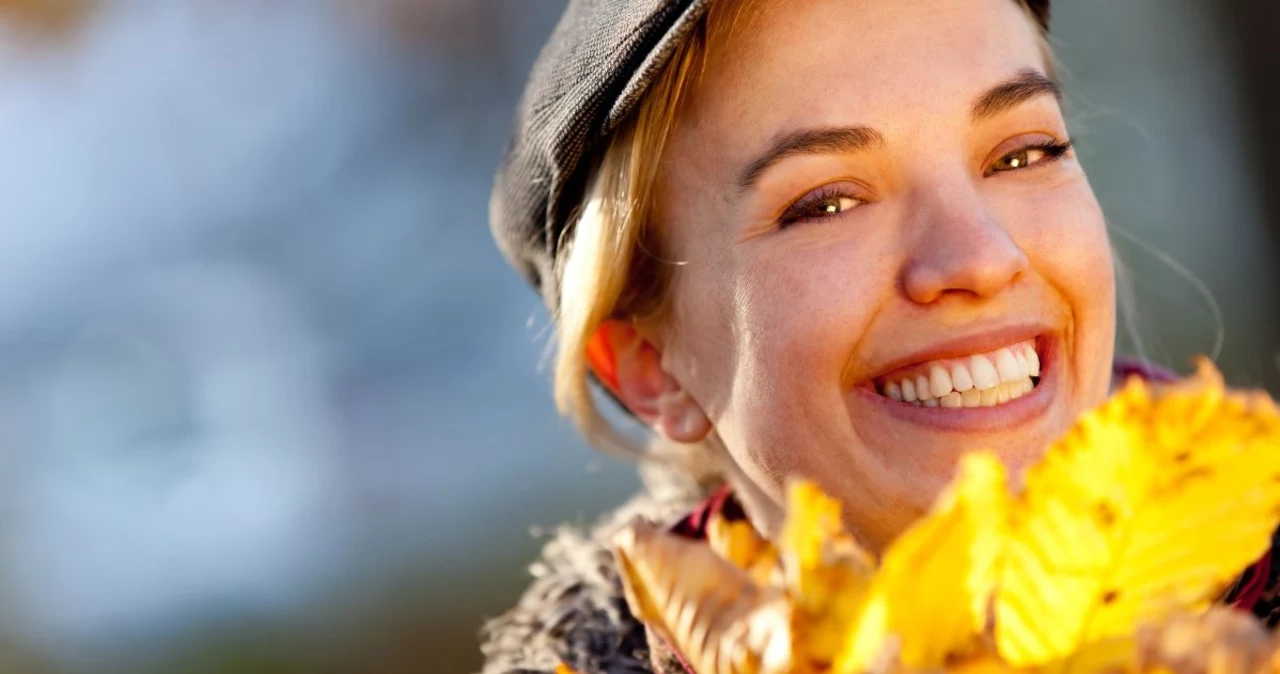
270	401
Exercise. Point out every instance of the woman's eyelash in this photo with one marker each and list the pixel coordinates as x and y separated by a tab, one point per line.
835	198
1054	148
1053	151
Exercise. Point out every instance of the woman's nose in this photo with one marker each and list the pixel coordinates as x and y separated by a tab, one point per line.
962	249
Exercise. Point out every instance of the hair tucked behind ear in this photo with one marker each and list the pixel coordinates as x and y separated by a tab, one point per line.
614	264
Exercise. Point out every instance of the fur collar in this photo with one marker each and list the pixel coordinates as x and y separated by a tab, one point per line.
574	611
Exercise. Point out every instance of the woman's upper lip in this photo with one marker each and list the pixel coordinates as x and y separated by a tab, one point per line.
957	347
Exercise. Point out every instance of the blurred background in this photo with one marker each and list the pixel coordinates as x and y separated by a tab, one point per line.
270	400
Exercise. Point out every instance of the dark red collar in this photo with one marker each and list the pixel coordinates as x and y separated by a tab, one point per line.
694	525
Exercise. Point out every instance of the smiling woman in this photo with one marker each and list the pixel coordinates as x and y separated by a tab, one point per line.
901	211
845	242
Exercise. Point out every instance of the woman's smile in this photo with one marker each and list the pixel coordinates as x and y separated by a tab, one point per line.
968	385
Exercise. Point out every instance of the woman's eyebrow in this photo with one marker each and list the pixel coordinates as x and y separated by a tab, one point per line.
1029	83
846	140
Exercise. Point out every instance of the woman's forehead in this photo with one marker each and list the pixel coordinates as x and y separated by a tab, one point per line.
801	58
910	71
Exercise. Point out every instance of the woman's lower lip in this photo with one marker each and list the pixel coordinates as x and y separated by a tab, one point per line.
978	419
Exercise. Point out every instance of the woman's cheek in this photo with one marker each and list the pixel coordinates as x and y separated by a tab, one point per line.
1063	233
1067	243
790	406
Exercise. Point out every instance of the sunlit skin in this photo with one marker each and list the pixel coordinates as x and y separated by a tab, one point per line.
857	187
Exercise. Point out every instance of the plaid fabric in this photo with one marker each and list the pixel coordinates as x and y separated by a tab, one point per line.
596	66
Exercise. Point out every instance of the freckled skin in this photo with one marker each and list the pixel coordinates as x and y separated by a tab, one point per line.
773	328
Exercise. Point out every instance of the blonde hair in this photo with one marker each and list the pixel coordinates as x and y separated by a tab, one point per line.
614	266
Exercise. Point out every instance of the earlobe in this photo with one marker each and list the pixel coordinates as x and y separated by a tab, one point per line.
631	367
681	419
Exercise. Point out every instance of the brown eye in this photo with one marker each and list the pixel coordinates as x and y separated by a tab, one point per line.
1030	156
823	203
832	206
1019	159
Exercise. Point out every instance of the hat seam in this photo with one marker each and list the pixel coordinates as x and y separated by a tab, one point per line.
653	62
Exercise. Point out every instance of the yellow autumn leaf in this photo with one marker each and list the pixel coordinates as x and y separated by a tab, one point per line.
1149	506
813	541
984	664
932	590
736	542
827	574
740	544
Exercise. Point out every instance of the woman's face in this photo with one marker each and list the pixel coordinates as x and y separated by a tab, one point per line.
882	231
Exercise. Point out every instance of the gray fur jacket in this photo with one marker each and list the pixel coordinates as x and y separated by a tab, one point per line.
574	612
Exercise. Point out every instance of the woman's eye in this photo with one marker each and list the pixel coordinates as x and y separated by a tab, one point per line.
1030	156
822	204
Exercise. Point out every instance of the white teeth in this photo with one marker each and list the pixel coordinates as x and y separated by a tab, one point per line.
1008	367
940	382
960	379
984	373
1033	363
1016	389
923	388
981	380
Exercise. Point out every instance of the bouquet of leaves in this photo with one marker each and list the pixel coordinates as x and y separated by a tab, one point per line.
1109	558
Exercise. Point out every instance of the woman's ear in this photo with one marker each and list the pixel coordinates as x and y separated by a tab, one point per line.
631	368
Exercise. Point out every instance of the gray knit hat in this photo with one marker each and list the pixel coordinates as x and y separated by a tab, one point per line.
595	68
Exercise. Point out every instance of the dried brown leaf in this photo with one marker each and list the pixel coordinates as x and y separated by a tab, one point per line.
1218	641
707	608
